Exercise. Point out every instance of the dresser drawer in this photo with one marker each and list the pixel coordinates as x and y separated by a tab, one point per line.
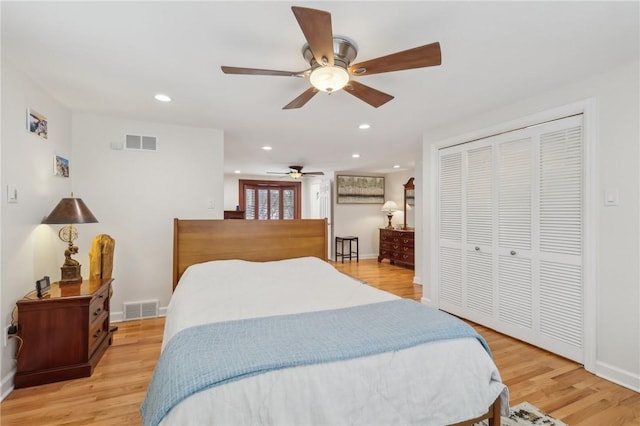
98	305
98	332
407	258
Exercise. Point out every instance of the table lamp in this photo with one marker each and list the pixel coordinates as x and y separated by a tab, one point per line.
389	207
68	212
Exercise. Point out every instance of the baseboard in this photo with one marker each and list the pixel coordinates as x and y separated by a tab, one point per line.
116	316
427	301
618	376
7	384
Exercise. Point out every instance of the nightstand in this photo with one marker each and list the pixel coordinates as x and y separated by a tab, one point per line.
64	333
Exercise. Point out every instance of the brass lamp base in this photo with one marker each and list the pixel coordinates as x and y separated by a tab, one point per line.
390	216
70	274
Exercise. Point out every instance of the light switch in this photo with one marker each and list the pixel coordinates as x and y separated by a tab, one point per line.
12	194
611	197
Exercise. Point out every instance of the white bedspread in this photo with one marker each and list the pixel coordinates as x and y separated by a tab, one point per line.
432	384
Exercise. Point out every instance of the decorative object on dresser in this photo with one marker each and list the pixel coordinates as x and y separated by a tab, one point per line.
389	207
101	261
397	246
69	211
64	334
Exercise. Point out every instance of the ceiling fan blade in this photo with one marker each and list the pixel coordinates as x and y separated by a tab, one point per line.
277	173
257	71
418	57
373	97
313	173
316	27
302	99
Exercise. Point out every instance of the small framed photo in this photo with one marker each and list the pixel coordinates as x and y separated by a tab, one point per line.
60	166
37	123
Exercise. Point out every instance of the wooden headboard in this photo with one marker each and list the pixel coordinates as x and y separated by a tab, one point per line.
197	241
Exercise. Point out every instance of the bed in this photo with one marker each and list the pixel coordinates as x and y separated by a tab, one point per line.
262	330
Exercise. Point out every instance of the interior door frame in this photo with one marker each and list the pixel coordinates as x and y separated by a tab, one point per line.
588	108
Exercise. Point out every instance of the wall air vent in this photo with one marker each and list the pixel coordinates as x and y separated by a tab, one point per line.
145	309
140	143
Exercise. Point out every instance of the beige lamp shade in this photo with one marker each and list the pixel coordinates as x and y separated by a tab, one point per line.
389	206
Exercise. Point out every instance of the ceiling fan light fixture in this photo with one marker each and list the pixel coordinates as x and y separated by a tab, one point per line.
295	175
329	79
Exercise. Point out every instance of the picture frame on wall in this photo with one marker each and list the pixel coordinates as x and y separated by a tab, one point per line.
37	123
60	166
360	189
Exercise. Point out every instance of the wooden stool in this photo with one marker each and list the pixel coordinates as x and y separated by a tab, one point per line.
349	254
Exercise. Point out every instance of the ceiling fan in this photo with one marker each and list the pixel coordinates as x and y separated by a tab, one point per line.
295	172
330	59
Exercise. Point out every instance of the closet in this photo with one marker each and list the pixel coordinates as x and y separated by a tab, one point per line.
510	233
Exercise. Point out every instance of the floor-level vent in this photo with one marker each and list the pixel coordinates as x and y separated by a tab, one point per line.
141	143
146	309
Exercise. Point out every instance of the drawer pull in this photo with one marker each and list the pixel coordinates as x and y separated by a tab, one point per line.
97	333
97	312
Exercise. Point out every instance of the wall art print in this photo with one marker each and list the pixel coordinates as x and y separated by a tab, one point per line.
60	166
37	123
360	189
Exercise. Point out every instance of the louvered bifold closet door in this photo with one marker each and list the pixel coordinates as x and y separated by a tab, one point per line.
479	291
450	229
510	224
561	237
514	183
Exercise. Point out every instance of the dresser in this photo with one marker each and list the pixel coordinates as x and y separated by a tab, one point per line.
64	333
397	246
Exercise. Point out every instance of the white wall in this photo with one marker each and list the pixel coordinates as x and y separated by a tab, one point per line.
136	195
29	250
618	231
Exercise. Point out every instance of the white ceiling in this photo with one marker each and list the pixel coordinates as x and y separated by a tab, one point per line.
112	57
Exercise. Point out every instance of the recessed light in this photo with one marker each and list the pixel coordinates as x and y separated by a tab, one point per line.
397	166
162	98
237	172
355	155
364	126
267	148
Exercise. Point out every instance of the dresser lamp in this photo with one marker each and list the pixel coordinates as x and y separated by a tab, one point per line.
389	207
70	211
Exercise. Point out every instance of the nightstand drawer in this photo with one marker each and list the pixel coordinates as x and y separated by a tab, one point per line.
98	331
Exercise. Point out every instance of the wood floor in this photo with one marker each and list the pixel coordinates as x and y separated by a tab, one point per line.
113	394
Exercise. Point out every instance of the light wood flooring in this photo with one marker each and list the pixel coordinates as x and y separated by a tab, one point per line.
113	394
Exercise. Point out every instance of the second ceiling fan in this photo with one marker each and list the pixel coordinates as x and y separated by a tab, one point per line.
295	172
330	61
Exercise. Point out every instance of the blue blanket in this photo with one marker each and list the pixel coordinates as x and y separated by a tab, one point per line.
209	355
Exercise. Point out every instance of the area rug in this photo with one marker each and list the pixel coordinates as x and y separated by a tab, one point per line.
527	414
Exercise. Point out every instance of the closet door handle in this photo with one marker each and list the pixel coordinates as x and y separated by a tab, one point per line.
513	252
477	248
